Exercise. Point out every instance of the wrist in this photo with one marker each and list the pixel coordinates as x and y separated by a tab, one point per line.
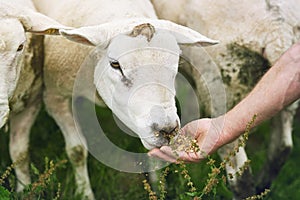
229	131
222	129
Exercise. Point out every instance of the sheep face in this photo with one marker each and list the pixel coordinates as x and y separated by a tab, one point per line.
136	80
12	43
136	69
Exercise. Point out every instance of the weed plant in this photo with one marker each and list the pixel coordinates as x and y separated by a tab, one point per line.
215	176
45	184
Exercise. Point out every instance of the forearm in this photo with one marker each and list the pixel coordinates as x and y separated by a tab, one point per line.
279	87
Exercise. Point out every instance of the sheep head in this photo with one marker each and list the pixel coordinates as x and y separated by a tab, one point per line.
15	21
135	73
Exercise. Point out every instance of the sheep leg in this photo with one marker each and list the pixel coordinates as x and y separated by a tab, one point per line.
20	125
59	108
241	182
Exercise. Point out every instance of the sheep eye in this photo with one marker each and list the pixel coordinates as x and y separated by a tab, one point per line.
115	64
20	48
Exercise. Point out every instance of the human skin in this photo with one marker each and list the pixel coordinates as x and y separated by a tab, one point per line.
279	87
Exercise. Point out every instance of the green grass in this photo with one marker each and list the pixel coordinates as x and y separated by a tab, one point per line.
46	141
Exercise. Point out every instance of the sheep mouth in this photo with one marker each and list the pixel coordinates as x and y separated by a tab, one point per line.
167	135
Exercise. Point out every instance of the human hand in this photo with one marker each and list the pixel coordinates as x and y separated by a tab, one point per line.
206	133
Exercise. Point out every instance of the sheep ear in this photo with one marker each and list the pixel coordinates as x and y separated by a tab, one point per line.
84	35
101	34
40	24
191	37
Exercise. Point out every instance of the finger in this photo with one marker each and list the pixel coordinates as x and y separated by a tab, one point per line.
181	155
168	150
188	157
157	153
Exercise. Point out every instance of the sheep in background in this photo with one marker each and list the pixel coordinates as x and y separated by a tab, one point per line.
21	60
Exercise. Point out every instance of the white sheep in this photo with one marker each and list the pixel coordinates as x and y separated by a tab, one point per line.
20	77
253	34
150	111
